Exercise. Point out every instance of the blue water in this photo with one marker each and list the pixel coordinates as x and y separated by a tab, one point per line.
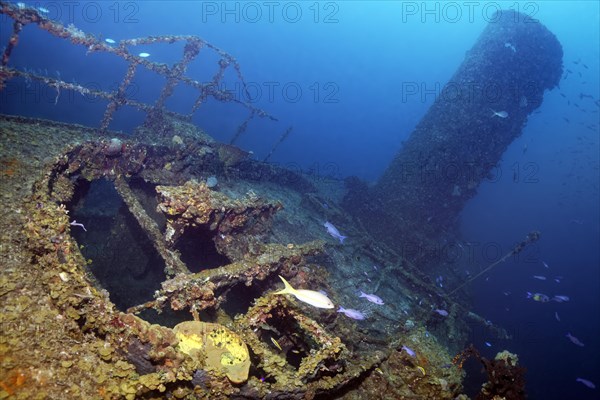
338	72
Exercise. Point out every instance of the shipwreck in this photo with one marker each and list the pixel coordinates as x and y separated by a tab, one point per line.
145	265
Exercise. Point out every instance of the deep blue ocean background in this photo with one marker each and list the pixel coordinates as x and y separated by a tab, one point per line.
339	73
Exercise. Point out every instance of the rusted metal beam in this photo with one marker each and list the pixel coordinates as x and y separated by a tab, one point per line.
174	265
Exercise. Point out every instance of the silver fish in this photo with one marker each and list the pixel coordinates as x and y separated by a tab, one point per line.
410	351
587	383
373	298
575	340
350	313
501	114
510	46
332	230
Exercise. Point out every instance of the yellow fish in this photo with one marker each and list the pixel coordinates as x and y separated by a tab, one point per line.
314	298
276	344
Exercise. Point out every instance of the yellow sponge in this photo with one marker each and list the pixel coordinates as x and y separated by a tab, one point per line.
224	350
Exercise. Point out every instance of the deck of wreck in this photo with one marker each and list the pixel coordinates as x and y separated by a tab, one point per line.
62	333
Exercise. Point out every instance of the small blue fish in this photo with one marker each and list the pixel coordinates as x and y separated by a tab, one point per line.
560	298
350	313
587	383
488	344
332	230
575	340
545	265
109	41
144	55
510	46
556	316
373	298
540	277
501	114
410	351
443	313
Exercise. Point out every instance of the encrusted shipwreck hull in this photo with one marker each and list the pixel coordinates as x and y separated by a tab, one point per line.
145	265
68	329
459	142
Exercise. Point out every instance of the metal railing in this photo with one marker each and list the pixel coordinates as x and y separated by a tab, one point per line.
175	74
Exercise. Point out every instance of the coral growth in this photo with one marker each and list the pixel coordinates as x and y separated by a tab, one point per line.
506	379
195	204
223	350
293	351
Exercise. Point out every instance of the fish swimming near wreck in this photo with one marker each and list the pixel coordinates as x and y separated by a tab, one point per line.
314	298
441	312
574	340
333	231
586	382
542	298
410	351
501	114
350	313
373	298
